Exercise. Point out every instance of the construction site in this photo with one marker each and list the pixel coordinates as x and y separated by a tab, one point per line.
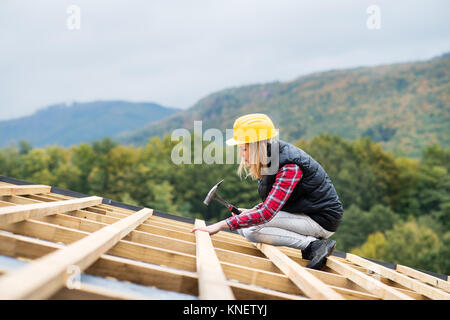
60	244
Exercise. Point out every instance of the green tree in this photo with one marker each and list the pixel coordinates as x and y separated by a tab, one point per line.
375	247
357	225
24	147
408	243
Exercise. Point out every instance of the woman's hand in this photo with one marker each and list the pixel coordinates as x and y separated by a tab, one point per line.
213	228
243	210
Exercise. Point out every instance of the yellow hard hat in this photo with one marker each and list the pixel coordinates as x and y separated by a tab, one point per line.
251	128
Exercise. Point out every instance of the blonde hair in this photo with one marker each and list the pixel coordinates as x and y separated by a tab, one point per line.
258	159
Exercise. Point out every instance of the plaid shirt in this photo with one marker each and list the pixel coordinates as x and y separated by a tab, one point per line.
285	181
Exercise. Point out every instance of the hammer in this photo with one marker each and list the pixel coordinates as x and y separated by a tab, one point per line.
212	194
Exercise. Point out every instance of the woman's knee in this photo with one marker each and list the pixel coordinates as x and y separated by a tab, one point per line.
253	236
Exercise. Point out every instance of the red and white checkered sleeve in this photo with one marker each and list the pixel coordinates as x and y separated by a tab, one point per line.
286	179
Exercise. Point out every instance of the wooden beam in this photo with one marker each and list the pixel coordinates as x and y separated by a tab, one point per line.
405	281
19	200
44	277
172	279
142	273
244	291
49	232
176	258
45	231
307	283
6	204
29	211
31	248
23	190
86	291
372	285
14	245
212	284
410	272
167	230
92	216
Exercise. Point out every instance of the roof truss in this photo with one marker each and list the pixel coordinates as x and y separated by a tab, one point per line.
54	231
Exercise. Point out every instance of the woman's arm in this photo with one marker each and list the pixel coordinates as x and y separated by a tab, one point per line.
286	179
213	228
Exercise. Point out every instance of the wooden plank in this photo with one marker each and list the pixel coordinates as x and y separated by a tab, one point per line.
41	198
19	199
310	285
82	224
212	284
86	291
54	196
441	284
244	291
188	236
31	248
92	216
172	279
46	231
23	190
372	285
14	245
354	295
6	204
405	281
246	260
73	222
29	211
242	261
67	235
44	277
260	278
168	230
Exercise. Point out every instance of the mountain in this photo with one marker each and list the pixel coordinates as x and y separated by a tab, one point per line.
80	122
403	106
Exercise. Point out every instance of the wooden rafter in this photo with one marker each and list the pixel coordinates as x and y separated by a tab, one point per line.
45	276
211	279
405	281
310	285
23	190
162	252
13	214
426	278
372	285
129	269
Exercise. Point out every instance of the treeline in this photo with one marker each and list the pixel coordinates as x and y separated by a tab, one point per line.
396	209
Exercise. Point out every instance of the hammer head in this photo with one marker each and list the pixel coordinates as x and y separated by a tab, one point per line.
212	193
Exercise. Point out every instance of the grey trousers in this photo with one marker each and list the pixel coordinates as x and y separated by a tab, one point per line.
286	229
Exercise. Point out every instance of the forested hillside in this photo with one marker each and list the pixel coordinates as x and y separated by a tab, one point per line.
396	209
405	106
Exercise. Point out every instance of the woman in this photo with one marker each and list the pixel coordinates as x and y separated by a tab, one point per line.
300	207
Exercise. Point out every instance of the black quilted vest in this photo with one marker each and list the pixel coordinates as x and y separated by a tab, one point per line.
313	195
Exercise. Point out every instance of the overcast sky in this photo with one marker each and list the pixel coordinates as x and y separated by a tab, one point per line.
176	52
